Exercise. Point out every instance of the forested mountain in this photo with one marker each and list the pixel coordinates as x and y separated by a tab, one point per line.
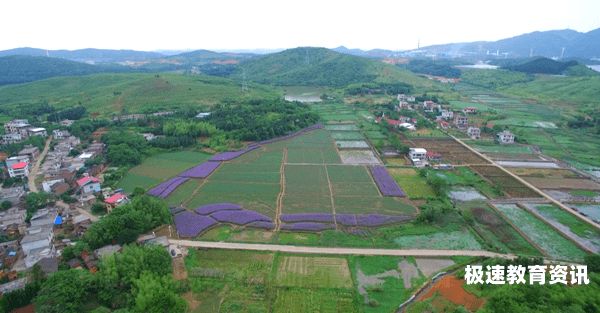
546	43
315	66
543	66
20	68
86	55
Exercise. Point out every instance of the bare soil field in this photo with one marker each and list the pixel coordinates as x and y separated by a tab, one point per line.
544	172
563	183
451	289
508	184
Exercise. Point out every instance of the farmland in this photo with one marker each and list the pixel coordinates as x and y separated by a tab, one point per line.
415	186
159	167
496	232
574	228
550	241
304	171
508	184
451	151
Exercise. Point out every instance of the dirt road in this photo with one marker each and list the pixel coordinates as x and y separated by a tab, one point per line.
336	250
36	167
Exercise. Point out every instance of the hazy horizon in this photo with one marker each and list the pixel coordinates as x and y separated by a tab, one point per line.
274	25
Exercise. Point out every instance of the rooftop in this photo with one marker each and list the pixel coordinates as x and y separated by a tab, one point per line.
418	150
86	180
116	198
19	166
37	129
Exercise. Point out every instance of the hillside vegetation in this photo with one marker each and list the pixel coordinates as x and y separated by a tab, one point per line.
119	93
20	69
323	67
549	66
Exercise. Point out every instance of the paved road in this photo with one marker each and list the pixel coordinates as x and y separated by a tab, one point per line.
336	250
534	188
36	167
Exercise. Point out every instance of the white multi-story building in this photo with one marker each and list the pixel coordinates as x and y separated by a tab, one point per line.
20	169
417	153
37	131
474	132
18	127
505	137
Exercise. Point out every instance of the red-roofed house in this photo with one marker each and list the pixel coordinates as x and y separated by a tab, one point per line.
433	156
20	169
115	200
89	184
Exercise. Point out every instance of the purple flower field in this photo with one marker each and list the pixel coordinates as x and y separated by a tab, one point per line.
201	171
230	155
164	189
386	184
307	217
241	217
346	219
190	224
307	226
212	208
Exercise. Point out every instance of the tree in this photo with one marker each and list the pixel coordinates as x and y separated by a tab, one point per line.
65	292
35	201
5	205
122	154
155	294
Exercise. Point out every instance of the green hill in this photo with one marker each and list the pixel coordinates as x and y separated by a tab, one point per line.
549	66
20	68
117	93
323	67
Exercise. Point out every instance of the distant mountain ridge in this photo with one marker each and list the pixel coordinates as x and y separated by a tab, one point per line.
565	43
86	55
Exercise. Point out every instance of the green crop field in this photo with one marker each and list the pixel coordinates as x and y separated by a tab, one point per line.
306	189
545	237
415	186
314	147
160	167
495	231
454	240
583	232
313	272
347	135
115	93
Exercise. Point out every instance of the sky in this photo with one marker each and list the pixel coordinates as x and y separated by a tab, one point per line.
276	24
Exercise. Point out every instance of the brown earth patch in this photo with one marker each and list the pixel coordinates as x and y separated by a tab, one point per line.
450	288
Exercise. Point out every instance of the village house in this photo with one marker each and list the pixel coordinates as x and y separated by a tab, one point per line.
11	138
403	97
434	156
60	134
37	131
443	124
17	127
12	194
403	105
19	170
417	153
461	121
88	184
505	137
30	152
429	106
163	113
12	221
474	132
37	244
149	136
115	200
447	114
47	184
66	123
470	110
